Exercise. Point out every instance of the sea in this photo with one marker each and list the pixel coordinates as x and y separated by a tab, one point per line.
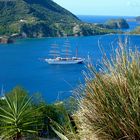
22	63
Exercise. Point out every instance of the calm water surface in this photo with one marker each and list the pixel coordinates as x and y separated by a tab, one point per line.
22	64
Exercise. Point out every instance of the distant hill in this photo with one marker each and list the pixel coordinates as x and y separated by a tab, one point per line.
41	18
138	18
117	24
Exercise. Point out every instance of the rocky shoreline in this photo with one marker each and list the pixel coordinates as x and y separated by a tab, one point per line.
6	40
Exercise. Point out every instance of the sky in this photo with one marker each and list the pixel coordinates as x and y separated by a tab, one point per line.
102	7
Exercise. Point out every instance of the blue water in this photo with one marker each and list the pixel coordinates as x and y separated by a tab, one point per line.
22	64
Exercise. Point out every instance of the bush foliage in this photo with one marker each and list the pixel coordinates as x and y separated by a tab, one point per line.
110	107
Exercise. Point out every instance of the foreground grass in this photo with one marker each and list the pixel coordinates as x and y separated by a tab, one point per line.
109	103
110	107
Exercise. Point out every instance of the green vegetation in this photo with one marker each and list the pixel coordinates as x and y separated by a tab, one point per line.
20	15
136	31
18	117
117	24
110	106
110	102
8	30
25	117
33	18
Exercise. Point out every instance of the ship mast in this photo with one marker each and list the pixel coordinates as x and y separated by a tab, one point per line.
77	52
54	51
66	51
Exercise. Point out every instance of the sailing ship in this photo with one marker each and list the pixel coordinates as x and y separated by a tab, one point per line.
67	59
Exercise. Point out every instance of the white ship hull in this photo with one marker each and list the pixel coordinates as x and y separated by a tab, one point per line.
64	62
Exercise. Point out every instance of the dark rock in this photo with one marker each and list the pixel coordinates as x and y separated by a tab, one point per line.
6	40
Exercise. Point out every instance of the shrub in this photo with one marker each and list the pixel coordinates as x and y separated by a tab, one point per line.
110	106
18	116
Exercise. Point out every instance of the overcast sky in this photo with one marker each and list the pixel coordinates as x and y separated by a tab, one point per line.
102	7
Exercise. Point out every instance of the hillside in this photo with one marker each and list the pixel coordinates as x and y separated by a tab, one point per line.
44	18
34	10
21	16
138	19
136	31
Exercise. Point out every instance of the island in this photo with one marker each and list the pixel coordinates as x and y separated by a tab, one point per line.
117	24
